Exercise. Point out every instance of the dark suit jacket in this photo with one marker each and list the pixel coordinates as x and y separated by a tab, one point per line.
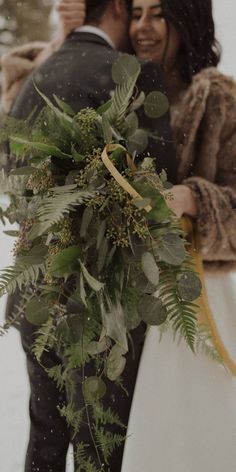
80	73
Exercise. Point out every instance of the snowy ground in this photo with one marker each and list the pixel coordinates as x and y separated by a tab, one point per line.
13	379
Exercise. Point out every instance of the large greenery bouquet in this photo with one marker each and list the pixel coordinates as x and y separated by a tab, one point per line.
98	250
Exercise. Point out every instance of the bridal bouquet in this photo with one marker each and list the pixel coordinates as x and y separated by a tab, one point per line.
98	250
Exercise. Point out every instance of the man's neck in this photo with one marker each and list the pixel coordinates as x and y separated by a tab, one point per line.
98	31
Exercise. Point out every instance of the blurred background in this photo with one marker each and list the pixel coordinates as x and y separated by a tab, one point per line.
21	21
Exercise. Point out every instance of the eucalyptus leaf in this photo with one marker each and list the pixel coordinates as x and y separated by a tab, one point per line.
104	107
131	124
138	102
27	170
171	249
138	142
101	233
107	129
156	104
141	203
35	256
58	113
160	210
49	149
131	297
124	68
189	286
102	254
66	262
150	268
94	348
115	363
91	281
86	220
114	322
93	389
12	233
152	310
64	106
37	312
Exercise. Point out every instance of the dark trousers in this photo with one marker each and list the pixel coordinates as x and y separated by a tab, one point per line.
49	433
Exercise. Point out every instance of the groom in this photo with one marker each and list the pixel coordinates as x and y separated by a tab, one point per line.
80	74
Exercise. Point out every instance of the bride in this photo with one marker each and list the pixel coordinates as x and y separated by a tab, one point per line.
183	415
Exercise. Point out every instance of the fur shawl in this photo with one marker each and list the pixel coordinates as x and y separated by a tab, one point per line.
19	63
204	125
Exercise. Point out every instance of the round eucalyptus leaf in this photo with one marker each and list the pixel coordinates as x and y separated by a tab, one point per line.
37	311
141	284
152	310
131	123
137	142
124	67
189	286
171	249
93	389
150	268
115	363
156	104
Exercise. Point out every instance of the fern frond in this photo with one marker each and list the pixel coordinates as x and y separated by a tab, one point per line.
57	374
83	462
120	102
74	418
108	442
18	311
204	344
19	276
103	417
60	202
44	340
181	313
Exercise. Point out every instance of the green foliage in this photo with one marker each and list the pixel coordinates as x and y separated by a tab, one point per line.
108	442
20	276
84	463
92	262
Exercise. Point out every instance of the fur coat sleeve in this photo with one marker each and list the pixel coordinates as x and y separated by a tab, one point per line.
19	63
206	144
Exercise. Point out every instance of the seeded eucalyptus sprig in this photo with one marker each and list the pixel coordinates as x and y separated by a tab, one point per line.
91	262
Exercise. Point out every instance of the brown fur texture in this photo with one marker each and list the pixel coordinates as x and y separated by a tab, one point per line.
204	125
19	63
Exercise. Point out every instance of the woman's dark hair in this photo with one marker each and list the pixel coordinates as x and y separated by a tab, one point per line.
194	22
96	8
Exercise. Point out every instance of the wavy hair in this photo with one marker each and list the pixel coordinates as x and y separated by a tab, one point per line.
193	19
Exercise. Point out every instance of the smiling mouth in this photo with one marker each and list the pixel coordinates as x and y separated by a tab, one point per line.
146	43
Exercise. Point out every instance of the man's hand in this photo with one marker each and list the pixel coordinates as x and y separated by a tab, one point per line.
72	15
182	201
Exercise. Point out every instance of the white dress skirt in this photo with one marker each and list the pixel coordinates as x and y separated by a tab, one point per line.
183	416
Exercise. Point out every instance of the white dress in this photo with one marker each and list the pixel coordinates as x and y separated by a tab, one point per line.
183	416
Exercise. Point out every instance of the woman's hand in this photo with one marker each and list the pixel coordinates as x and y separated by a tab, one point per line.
72	15
182	201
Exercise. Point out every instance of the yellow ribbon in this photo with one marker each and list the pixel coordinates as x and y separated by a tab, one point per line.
205	314
117	176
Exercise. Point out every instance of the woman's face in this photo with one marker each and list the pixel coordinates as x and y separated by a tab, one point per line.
150	36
